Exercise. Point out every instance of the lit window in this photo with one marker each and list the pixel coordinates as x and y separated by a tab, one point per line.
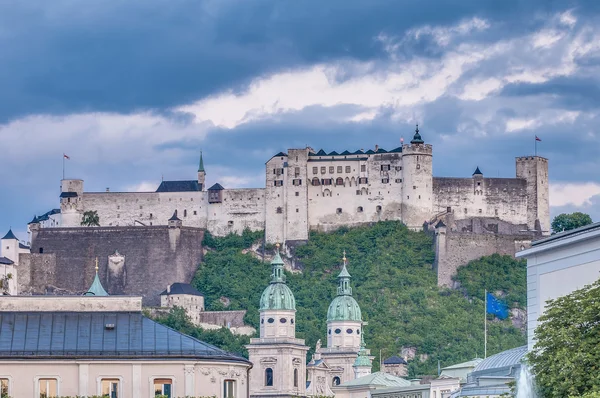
268	377
110	388
48	388
163	387
229	389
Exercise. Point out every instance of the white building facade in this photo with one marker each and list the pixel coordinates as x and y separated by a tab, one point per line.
557	266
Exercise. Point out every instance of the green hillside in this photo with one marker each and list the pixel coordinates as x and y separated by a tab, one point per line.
393	281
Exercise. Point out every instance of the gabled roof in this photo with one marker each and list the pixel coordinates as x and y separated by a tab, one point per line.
396	150
381	150
6	261
333	153
182	288
10	235
378	379
345	153
359	152
321	153
370	152
280	154
179	186
91	335
174	217
395	360
216	187
440	224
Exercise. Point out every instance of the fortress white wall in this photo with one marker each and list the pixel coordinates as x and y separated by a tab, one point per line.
305	191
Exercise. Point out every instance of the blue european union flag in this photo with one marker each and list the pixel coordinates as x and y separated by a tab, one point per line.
496	307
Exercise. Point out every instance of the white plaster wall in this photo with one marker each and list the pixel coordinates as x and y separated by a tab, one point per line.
136	377
534	169
341	363
344	340
296	196
240	209
417	193
283	357
277	328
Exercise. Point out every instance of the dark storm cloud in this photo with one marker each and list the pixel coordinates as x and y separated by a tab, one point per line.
62	57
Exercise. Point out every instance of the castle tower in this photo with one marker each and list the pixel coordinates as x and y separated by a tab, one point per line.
71	204
10	246
344	330
362	366
201	174
417	182
296	195
275	194
279	358
534	169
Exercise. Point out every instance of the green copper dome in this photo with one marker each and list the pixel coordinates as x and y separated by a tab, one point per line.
363	357
344	307
277	296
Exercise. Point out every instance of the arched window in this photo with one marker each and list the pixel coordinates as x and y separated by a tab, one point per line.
295	377
339	181
268	377
336	381
315	181
360	209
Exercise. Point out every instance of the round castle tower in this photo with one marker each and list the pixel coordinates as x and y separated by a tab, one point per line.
277	305
344	319
71	204
417	182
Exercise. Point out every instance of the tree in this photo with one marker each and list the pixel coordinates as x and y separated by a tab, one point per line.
565	357
90	219
565	222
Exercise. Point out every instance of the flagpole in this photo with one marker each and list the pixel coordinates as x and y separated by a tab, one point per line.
535	144
485	325
63	166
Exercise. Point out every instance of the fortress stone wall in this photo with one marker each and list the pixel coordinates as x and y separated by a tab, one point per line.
133	260
315	190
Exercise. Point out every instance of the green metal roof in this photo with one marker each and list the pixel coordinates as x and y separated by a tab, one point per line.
417	138
96	289
201	165
363	356
343	307
377	379
277	296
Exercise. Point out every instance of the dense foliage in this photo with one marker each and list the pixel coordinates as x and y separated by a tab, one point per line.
566	222
566	356
496	273
90	219
393	281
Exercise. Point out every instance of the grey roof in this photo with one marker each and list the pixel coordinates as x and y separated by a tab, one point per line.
280	154
10	235
179	186
399	149
378	379
182	288
174	217
46	215
503	359
477	172
395	360
68	194
440	224
22	246
7	261
73	335
216	187
565	234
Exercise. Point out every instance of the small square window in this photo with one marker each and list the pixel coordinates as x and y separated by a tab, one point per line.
297	210
331	168
297	193
385	180
323	170
315	170
348	169
338	210
339	169
363	167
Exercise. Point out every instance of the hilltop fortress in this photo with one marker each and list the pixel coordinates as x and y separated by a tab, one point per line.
314	190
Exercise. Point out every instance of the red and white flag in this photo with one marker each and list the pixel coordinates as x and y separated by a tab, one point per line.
537	138
66	157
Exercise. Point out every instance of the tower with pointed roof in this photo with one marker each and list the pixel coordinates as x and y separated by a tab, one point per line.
201	174
279	358
344	330
417	181
363	363
96	289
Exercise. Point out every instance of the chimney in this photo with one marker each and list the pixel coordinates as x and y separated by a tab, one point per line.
376	148
168	289
107	189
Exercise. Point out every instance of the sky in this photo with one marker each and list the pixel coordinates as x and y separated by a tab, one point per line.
132	91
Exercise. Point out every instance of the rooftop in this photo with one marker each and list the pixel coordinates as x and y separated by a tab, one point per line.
179	186
469	364
6	261
182	288
10	235
395	360
503	359
69	335
377	379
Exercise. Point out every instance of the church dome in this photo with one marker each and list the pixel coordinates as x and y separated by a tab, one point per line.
277	296
344	308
